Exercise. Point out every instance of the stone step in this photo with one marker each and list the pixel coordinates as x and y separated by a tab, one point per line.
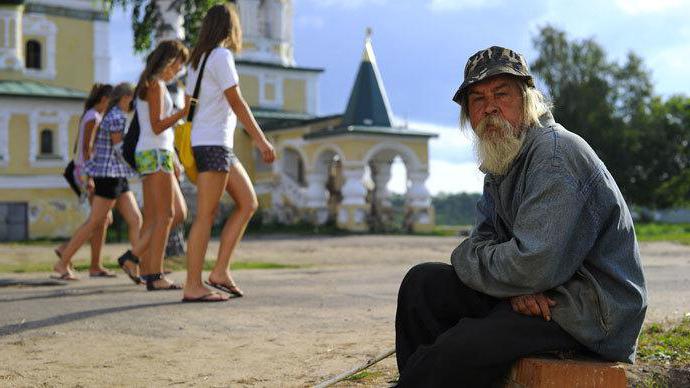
555	373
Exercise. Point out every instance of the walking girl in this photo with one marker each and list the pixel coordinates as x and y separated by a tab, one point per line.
94	106
108	177
220	104
155	157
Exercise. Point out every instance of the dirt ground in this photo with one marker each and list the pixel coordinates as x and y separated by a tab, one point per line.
294	327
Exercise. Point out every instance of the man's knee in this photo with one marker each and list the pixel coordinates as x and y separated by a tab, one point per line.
427	273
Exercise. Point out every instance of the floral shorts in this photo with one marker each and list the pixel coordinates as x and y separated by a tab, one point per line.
151	161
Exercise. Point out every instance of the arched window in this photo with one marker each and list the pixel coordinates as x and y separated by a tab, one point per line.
33	55
47	142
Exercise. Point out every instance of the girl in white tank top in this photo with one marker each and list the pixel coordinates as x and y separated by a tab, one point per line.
164	205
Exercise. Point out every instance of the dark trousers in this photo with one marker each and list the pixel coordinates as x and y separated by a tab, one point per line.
449	335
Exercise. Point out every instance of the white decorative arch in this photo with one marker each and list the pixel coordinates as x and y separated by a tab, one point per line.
313	165
412	162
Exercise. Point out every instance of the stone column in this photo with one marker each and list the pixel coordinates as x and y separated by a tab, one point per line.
353	209
381	175
420	212
317	197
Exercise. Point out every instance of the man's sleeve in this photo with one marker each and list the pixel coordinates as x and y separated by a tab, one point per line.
545	249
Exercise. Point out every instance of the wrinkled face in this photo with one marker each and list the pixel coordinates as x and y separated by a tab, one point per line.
495	111
171	70
499	97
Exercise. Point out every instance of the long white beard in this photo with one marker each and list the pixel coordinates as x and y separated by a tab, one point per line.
497	149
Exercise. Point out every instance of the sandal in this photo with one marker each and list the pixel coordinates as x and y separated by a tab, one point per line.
210	297
152	278
231	288
129	256
102	274
68	276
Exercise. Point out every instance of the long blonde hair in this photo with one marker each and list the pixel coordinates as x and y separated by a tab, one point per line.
221	25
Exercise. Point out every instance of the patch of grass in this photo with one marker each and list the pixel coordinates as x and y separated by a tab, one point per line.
364	375
663	232
670	346
175	265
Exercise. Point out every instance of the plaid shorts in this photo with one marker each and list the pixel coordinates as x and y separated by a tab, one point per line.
151	161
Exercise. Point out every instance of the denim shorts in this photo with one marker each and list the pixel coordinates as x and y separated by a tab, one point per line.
151	161
214	158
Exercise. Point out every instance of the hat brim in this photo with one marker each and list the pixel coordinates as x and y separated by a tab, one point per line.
462	90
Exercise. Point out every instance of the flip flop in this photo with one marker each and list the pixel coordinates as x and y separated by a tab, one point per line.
207	298
102	274
172	286
231	289
65	276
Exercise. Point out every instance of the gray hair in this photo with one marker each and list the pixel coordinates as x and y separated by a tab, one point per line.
534	104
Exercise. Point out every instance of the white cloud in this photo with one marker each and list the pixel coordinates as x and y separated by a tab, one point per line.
673	60
637	7
456	5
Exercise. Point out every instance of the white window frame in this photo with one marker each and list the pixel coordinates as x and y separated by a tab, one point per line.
39	25
37	121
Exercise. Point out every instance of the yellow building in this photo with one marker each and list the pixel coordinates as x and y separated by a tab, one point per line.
51	52
329	168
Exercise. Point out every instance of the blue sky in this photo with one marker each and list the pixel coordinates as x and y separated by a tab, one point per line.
422	45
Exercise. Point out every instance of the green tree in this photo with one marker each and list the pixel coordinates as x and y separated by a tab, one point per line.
147	21
638	136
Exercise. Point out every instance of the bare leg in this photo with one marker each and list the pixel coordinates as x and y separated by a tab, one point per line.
128	208
163	208
210	185
140	250
99	211
239	186
97	241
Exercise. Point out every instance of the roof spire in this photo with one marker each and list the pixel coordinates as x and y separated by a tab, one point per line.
368	54
368	104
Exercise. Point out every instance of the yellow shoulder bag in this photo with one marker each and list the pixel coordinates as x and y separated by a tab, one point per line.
183	132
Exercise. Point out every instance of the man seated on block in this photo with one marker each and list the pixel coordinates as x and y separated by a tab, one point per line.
552	263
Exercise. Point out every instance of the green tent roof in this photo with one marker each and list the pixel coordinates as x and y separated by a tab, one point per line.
368	104
37	89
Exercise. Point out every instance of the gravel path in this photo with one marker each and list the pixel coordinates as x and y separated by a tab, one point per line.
295	327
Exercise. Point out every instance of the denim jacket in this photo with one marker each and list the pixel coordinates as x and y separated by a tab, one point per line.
557	223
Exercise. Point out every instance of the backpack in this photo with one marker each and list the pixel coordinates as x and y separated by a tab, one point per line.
129	142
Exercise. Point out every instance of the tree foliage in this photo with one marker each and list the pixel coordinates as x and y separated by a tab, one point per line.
642	139
147	20
455	209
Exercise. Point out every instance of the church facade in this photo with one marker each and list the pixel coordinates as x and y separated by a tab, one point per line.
331	168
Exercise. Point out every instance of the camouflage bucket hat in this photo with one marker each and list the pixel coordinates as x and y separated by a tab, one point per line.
490	62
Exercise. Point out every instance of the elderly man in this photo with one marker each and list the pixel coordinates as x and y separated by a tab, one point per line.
552	263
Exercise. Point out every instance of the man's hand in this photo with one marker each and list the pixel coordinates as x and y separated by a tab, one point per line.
533	305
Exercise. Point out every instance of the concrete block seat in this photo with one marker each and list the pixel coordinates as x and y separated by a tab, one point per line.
542	372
